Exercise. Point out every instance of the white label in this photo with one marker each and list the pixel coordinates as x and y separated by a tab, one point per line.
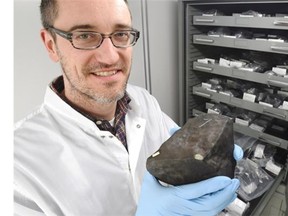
212	90
224	62
206	61
206	85
285	105
259	151
249	97
229	36
276	40
272	167
257	127
284	93
237	207
241	122
265	104
212	111
261	39
237	64
279	71
224	93
246	69
243	15
214	35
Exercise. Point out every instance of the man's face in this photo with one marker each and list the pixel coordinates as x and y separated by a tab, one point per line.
100	74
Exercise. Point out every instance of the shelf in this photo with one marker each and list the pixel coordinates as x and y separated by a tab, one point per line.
276	141
242	43
195	43
255	107
268	80
273	140
279	23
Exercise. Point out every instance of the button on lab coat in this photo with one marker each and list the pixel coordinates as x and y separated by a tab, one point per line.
65	165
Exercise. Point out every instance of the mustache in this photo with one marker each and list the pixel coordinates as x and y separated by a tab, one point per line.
99	67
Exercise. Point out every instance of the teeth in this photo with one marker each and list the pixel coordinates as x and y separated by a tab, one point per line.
104	74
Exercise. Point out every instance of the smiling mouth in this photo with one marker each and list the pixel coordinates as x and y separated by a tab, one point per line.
106	73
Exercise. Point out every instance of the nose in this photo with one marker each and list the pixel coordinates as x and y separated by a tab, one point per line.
107	53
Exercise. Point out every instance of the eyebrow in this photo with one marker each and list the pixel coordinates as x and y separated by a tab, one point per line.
87	26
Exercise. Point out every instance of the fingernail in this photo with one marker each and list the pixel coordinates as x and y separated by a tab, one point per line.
236	183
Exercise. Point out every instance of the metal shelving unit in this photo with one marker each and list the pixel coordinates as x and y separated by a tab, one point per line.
265	79
195	43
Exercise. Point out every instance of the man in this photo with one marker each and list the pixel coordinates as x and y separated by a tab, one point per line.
83	152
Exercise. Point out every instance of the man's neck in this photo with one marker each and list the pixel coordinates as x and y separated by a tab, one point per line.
92	108
87	107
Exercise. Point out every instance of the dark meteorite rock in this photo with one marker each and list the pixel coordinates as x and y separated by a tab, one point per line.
201	149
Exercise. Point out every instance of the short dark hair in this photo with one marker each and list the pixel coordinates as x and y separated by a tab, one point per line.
49	12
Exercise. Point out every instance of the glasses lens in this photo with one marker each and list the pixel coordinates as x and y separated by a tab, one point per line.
86	39
123	38
92	40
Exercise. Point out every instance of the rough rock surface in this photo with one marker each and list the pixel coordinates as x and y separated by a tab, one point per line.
201	149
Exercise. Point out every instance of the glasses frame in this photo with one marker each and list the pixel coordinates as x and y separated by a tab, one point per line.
68	36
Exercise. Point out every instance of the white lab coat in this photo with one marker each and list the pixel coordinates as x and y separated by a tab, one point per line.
64	165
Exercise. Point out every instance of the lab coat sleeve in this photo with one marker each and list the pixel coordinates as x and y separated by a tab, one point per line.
25	206
170	123
152	112
30	197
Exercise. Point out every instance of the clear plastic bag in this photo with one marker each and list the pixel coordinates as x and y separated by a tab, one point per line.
254	181
219	32
245	142
212	12
221	109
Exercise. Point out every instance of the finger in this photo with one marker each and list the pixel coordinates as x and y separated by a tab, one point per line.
209	204
238	152
221	199
195	190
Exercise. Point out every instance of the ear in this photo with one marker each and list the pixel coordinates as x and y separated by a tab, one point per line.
49	44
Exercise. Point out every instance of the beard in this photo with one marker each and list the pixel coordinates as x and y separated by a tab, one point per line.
84	94
95	96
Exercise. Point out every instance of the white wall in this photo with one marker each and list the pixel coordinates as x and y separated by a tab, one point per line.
163	50
33	69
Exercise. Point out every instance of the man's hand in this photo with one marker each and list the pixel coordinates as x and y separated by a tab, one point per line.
205	198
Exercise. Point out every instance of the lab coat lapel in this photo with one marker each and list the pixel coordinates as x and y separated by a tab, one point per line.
135	129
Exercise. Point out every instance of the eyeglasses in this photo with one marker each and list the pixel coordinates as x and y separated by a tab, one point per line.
88	40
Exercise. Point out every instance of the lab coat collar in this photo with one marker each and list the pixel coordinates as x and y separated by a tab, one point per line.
54	101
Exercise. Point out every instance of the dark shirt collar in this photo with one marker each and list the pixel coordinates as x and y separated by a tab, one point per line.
122	108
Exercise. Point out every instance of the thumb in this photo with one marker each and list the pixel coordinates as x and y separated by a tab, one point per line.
238	152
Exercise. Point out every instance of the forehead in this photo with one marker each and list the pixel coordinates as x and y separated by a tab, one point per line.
97	13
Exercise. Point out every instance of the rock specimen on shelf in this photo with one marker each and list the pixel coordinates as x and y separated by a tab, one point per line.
201	149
